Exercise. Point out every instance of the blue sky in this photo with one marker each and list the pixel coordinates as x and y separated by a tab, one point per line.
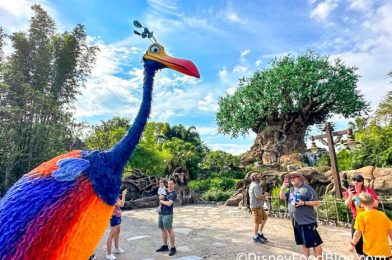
227	40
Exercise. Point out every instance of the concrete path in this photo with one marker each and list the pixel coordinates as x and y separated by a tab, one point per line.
217	232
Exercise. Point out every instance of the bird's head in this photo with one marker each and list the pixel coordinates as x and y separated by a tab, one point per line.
156	54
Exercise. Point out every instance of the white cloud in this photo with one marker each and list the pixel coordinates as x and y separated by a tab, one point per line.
233	17
231	90
240	69
105	93
174	102
371	52
245	53
209	103
361	5
15	15
258	63
207	131
322	10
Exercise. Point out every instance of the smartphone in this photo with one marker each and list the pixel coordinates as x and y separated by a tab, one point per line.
352	188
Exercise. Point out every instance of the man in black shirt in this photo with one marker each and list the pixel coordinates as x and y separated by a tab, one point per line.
165	221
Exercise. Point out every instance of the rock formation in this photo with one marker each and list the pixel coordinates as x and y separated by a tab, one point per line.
321	179
143	189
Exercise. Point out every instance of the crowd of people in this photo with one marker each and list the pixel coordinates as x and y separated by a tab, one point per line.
370	227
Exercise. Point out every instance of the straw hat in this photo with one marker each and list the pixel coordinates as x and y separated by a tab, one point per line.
294	174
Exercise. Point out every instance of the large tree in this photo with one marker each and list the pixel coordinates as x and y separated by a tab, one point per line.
39	81
281	102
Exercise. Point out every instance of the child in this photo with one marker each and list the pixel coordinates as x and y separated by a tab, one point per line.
114	234
375	227
161	191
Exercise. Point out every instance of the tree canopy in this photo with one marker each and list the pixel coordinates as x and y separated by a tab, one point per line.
39	81
307	86
292	94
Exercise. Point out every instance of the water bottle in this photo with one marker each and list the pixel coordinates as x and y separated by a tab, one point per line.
297	197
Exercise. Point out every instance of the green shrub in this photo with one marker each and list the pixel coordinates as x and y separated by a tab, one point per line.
277	204
216	195
375	148
345	159
323	160
223	183
228	174
199	186
332	209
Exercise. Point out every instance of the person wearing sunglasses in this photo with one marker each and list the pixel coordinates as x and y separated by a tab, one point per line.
352	201
301	199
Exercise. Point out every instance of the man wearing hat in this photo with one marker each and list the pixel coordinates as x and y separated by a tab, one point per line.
351	196
256	199
301	198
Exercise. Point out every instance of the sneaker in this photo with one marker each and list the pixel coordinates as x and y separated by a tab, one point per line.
118	250
172	251
258	240
110	257
262	237
163	249
93	257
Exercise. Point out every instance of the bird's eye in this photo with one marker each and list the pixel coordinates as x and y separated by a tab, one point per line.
154	49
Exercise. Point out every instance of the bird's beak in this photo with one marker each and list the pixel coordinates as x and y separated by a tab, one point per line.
184	66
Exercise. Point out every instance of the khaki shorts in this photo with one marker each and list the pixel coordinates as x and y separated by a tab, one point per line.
259	215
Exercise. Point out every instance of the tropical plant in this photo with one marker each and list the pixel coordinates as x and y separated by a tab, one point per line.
375	148
220	161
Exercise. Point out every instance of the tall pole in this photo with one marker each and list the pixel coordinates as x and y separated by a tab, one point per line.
332	156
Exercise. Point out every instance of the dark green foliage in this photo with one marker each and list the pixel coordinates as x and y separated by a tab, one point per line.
235	174
214	189
323	161
220	161
222	183
344	158
375	148
216	195
39	82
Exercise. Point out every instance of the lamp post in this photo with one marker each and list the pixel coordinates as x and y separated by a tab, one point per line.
330	142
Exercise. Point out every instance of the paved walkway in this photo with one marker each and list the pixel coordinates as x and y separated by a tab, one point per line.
217	232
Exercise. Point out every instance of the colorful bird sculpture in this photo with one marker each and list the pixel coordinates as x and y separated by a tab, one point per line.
61	209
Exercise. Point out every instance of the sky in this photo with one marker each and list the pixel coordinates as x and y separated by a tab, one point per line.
226	39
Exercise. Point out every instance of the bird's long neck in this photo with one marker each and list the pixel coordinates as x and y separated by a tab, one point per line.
122	151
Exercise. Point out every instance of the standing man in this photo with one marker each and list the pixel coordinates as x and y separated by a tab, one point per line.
301	198
165	221
256	199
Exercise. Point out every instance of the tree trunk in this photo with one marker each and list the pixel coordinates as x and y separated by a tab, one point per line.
275	140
